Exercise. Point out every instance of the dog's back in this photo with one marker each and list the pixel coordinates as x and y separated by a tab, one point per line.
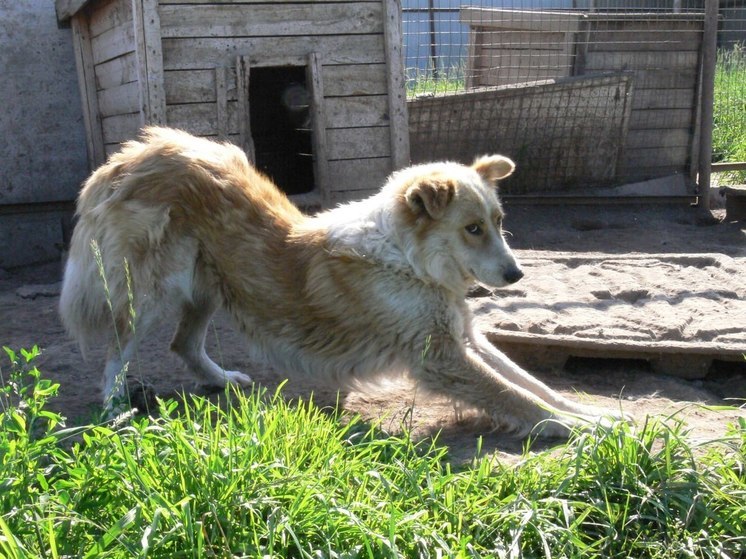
159	204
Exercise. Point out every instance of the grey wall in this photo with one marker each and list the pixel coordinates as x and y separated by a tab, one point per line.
42	140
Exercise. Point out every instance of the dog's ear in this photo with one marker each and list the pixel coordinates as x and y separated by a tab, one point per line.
492	168
429	195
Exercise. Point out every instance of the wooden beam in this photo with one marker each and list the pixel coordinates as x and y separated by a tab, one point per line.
221	101
709	55
147	29
315	86
243	69
87	86
399	119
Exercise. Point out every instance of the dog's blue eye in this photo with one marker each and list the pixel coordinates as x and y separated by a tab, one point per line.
474	229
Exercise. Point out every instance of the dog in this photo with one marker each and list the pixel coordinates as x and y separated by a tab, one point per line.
369	287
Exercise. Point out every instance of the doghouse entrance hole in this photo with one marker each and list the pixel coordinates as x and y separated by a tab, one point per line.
279	110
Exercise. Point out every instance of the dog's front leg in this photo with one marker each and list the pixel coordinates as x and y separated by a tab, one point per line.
466	377
514	374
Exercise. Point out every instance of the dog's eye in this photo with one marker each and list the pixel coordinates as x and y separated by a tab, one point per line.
474	229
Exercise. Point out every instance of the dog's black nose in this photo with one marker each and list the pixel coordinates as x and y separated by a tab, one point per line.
513	275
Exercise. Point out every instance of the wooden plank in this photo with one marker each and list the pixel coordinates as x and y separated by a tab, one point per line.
120	128
185	54
243	69
359	174
197	86
664	79
194	86
638	40
123	99
507	76
149	61
110	14
634	60
398	114
201	119
355	143
167	2
528	61
222	77
653	158
473	54
661	119
533	20
518	39
663	99
117	71
673	138
113	43
354	79
346	112
87	87
319	144
179	21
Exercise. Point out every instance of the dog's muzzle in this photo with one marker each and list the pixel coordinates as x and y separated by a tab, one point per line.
513	275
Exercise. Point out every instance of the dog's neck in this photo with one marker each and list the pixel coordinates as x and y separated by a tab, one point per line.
363	229
366	230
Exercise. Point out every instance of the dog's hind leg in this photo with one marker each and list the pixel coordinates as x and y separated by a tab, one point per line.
189	344
121	362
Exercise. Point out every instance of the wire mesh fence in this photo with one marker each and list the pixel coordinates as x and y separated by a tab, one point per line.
729	126
582	94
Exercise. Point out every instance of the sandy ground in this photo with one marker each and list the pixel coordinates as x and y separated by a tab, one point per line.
631	272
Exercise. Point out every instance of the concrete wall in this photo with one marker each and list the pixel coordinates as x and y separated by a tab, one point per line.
42	140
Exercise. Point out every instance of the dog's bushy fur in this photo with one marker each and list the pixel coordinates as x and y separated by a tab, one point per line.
367	288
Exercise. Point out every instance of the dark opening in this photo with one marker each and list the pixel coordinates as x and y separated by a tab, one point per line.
281	126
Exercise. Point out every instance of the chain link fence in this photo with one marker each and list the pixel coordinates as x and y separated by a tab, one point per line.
583	95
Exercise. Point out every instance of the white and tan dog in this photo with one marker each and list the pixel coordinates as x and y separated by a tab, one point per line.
370	287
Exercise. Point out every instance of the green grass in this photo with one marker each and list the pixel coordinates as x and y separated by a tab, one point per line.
729	121
268	478
426	83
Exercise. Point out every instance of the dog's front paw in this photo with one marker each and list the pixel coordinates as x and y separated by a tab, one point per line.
241	379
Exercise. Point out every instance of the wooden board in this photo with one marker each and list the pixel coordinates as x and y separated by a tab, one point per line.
193	86
226	20
117	71
109	15
356	143
149	62
358	174
117	100
113	43
120	128
207	53
87	88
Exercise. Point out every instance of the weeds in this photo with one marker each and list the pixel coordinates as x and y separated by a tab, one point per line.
269	478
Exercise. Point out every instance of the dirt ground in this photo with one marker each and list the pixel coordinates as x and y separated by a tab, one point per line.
604	272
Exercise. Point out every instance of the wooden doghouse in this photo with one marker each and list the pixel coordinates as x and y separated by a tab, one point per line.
313	91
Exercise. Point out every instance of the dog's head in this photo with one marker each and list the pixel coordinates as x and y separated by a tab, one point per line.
449	218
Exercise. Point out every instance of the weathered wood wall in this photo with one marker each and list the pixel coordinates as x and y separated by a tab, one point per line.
173	62
659	51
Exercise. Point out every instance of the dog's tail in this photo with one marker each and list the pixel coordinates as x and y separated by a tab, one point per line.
94	289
